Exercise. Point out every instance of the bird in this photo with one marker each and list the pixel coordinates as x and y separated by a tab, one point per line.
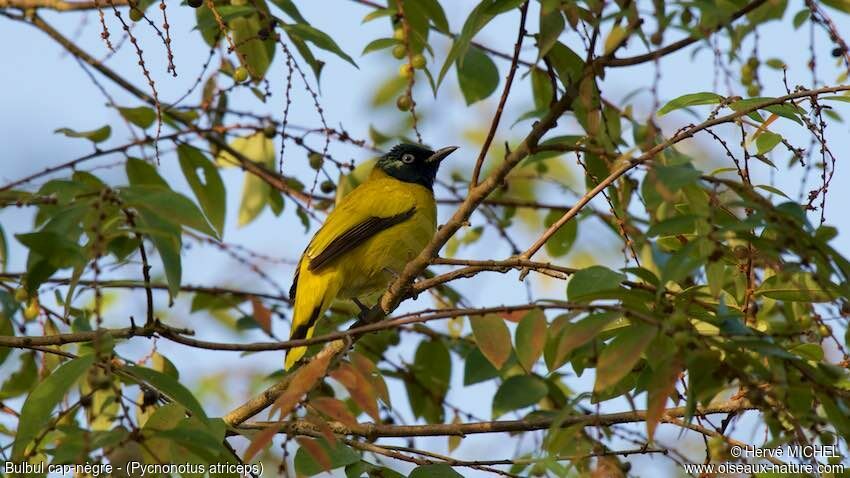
368	238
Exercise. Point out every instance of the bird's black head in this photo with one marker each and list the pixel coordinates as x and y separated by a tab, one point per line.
414	163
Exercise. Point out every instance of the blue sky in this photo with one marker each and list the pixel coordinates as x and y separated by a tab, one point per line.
42	89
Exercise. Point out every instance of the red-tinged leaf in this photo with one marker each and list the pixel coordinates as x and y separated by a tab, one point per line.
303	380
359	388
530	338
514	316
259	442
574	335
493	338
620	356
322	427
369	371
335	410
661	386
317	451
262	315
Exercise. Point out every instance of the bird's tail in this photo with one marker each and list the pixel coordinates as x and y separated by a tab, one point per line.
312	299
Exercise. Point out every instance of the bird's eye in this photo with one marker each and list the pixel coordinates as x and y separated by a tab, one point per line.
407	158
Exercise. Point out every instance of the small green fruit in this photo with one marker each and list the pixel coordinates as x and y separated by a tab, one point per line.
327	186
824	330
270	131
406	70
418	62
753	90
403	103
656	38
398	34
399	52
240	75
316	161
136	15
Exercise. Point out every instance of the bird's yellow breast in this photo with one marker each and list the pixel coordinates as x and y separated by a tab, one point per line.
372	265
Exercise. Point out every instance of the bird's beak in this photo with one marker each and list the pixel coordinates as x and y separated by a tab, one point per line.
441	154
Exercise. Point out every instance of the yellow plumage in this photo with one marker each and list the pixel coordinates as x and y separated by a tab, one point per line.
404	215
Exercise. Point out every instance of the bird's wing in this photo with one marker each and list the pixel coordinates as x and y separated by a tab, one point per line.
355	236
374	206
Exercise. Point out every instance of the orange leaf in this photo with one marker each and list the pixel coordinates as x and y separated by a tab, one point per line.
303	380
493	338
530	338
260	441
514	316
262	315
371	373
335	410
661	386
315	449
359	388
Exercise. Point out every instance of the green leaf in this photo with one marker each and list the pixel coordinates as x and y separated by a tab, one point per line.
530	338
435	12
620	356
477	75
591	280
477	368
674	178
562	241
566	63
541	89
674	225
492	337
439	470
169	205
337	454
207	186
255	55
573	336
169	386
255	191
22	380
766	141
480	16
167	239
141	116
519	391
317	37
799	287
692	99
96	135
142	173
57	249
38	407
551	26
380	44
772	189
845	99
288	7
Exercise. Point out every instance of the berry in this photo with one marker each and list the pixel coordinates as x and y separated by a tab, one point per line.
398	34
32	310
403	103
327	186
418	62
656	38
316	161
406	70
240	75
149	397
824	330
753	90
399	52
21	294
270	131
263	34
195	3
837	52
136	15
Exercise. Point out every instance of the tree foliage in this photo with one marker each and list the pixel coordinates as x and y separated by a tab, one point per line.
729	313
